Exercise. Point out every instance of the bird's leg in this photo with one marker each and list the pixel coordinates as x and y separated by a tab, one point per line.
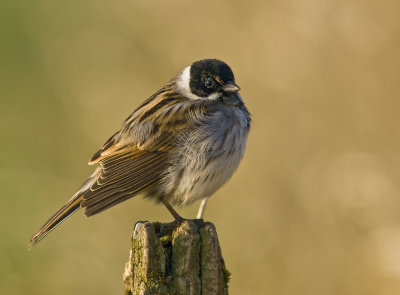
201	208
175	214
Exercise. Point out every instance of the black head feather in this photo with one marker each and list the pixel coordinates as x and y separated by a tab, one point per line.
208	76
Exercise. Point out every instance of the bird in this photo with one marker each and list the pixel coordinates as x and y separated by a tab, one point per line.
180	145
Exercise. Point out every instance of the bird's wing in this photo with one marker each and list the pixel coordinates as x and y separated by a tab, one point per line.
149	127
122	176
133	159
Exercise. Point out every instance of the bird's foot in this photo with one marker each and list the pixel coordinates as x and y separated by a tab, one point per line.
178	218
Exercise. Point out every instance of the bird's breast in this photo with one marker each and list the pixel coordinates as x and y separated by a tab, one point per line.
208	155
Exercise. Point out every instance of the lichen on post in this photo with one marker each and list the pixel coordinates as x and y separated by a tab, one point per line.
175	259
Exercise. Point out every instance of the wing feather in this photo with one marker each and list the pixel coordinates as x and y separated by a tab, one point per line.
141	171
134	159
118	173
117	195
127	179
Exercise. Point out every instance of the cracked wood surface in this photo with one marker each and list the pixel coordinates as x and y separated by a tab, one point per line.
175	259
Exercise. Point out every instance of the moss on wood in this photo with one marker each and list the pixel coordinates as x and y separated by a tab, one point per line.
175	259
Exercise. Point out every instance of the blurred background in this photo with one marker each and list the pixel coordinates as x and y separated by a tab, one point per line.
314	207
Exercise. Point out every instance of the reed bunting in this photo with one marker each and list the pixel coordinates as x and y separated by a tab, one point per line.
180	145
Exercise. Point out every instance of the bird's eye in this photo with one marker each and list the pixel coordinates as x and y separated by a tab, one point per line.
209	83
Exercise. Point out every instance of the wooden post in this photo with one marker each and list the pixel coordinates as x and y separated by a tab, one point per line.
175	259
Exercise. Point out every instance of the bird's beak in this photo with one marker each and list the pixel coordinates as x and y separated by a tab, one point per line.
230	86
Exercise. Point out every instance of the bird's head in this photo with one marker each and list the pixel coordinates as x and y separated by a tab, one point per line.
207	79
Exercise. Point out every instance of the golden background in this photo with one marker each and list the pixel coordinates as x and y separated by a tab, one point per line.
314	207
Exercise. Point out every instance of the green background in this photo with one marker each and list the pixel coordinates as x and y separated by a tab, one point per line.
314	207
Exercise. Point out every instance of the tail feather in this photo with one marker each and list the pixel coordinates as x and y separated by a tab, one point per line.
56	219
73	204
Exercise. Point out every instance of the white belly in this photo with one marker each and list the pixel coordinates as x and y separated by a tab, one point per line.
208	158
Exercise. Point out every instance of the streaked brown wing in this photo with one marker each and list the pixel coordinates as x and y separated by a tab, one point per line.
123	176
147	128
133	159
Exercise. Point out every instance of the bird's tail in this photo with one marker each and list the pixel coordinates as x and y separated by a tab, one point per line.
56	219
65	211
